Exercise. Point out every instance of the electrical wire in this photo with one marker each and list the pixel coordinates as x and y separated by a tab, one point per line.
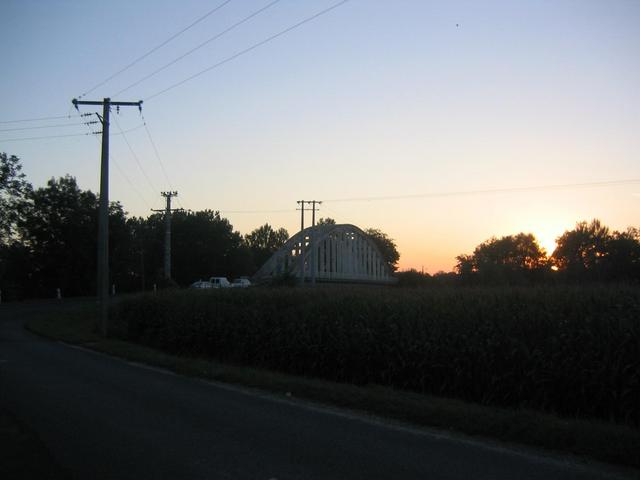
608	183
189	52
248	49
69	135
154	49
47	126
256	211
157	154
122	132
135	157
45	137
40	118
332	212
133	187
631	181
120	171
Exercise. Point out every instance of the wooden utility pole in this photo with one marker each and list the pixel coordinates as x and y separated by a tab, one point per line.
103	214
314	256
301	203
313	211
167	232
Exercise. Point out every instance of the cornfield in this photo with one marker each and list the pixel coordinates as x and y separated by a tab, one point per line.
573	351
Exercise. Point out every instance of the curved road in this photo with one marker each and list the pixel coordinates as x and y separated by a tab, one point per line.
105	418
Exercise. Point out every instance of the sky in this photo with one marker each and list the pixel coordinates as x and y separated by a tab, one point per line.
390	112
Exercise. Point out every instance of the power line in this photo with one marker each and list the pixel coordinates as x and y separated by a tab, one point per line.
249	49
133	187
133	154
131	184
250	212
48	136
333	212
41	118
630	181
122	132
189	52
47	126
289	210
157	154
173	37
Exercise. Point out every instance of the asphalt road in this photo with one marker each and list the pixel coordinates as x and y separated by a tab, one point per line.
105	418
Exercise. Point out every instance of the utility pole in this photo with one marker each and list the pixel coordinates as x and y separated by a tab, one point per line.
103	214
301	203
314	256
167	232
313	210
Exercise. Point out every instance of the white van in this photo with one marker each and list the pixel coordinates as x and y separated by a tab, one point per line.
219	282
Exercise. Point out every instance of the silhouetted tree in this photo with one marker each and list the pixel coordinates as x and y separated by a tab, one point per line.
204	244
123	259
13	195
446	279
622	261
412	278
16	271
506	259
519	251
264	241
386	245
59	227
326	221
581	252
465	265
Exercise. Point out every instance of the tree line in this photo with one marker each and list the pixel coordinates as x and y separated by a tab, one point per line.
48	240
590	252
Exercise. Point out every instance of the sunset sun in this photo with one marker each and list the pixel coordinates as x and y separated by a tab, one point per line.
546	240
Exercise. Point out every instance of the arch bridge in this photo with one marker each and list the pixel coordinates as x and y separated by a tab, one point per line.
329	253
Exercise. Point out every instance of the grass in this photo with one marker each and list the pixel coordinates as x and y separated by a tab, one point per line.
593	439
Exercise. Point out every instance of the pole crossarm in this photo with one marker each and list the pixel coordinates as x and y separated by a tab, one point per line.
77	102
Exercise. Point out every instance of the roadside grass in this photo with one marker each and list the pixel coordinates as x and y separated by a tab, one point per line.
593	439
22	453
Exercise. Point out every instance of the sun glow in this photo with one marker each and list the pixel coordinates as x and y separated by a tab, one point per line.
546	240
545	230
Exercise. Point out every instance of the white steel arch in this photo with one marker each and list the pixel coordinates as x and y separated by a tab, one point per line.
330	253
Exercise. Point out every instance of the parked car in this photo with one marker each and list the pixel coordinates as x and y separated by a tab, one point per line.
219	282
201	284
241	283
